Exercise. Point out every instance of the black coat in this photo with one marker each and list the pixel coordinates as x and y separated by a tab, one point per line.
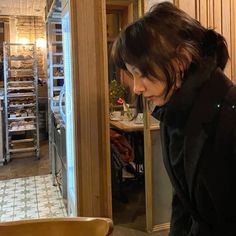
207	207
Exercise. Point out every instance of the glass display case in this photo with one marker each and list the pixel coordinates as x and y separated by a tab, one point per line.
55	72
71	180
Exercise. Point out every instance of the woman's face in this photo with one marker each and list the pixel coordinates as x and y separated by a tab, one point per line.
153	89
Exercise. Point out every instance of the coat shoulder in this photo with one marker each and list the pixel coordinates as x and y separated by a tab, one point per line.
229	107
230	99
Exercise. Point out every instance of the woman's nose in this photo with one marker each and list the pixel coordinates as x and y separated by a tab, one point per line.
138	86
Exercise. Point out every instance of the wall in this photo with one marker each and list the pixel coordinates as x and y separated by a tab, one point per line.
150	3
219	15
31	28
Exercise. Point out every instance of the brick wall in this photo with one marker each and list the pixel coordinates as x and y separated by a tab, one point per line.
33	28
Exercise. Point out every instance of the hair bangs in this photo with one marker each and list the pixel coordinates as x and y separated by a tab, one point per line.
117	53
130	47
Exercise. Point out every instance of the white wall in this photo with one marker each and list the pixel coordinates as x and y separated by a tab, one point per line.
150	3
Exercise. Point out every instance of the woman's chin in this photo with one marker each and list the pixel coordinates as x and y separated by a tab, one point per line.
158	102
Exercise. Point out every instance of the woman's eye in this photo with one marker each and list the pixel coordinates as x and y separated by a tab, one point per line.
138	74
129	74
142	76
131	77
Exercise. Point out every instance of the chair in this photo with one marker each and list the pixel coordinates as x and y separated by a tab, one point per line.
76	226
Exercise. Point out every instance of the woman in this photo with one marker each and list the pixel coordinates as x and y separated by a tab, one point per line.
177	65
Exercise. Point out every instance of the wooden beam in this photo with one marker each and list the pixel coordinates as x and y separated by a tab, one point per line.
90	93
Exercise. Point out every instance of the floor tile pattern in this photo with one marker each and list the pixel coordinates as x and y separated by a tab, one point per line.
30	197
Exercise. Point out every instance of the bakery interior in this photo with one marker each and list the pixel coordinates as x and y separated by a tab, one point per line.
61	124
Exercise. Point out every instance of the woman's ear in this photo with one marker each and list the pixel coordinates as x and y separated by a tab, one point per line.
184	57
178	81
178	66
181	63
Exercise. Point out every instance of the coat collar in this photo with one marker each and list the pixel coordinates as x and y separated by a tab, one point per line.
176	112
207	103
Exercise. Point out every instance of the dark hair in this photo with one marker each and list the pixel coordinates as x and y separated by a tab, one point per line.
163	34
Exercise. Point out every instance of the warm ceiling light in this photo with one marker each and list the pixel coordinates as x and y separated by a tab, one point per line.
40	43
24	40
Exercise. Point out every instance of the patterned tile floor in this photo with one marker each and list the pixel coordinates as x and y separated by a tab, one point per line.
35	197
30	197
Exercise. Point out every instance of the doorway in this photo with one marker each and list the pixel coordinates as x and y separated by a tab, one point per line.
126	132
140	199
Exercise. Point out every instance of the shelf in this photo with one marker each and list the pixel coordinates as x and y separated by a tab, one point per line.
20	88
20	82
21	77
55	99
57	88
21	95
57	65
58	33
57	30
58	77
23	59
22	118
20	130
57	22
57	54
57	43
20	69
19	44
22	105
22	141
29	149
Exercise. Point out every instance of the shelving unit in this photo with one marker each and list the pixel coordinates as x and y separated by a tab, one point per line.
55	57
55	73
20	99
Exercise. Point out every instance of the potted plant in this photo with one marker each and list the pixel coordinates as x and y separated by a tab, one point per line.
116	91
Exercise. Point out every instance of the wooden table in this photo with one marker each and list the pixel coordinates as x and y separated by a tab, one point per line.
131	126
